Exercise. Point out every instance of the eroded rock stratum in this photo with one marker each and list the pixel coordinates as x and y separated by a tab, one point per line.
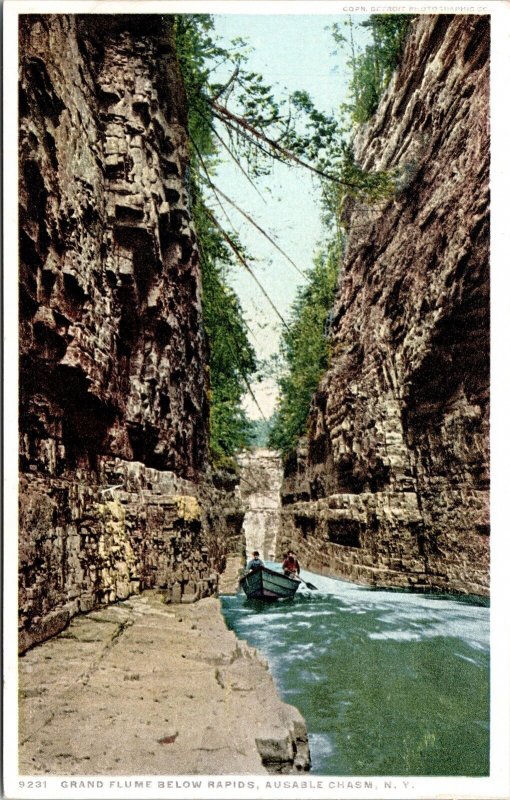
112	353
391	487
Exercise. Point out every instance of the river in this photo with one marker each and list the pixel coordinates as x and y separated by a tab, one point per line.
389	682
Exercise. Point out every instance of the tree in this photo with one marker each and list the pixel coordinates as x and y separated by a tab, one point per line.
373	65
305	349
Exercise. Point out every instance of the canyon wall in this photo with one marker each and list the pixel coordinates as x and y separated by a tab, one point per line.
112	353
391	485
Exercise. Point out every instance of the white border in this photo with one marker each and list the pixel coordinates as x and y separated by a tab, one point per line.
498	784
10	395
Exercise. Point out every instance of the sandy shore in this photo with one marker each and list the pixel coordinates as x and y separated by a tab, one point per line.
141	687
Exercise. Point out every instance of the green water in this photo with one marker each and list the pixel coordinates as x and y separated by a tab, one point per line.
389	683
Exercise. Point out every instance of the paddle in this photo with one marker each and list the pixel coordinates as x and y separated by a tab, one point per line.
308	585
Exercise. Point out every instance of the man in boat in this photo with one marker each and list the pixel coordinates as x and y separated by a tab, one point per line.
255	562
290	565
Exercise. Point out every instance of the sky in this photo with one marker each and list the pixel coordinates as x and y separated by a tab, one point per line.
293	51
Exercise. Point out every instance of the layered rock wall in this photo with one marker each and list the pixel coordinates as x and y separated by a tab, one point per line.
111	341
391	487
83	544
112	386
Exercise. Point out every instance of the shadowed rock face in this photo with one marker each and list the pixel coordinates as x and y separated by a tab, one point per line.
392	485
111	344
111	339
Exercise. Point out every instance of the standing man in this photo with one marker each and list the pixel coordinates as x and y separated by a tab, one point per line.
291	565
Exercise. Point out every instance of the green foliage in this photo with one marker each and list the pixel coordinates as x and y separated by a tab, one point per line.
305	350
373	66
260	432
231	356
193	46
363	186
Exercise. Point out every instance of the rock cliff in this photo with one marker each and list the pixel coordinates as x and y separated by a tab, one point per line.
112	380
391	486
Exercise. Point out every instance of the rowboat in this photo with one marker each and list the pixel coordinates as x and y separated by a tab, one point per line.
266	584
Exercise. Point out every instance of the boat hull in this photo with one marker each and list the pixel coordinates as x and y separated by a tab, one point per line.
266	584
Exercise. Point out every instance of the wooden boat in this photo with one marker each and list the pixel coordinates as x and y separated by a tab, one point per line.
266	584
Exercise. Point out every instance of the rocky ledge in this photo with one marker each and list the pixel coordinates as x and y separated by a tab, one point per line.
154	689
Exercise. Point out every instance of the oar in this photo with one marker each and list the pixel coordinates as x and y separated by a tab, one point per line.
308	585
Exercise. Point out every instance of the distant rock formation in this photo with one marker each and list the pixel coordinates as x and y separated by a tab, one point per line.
391	486
112	381
260	482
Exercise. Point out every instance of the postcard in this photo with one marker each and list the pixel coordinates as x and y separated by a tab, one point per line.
255	399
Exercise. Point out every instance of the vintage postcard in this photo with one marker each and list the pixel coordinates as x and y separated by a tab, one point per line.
255	399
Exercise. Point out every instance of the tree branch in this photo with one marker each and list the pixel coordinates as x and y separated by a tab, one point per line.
229	83
261	230
244	262
224	114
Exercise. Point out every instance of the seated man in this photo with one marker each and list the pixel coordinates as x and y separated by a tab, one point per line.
291	565
255	562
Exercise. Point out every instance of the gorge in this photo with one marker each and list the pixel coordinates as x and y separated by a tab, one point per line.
118	494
